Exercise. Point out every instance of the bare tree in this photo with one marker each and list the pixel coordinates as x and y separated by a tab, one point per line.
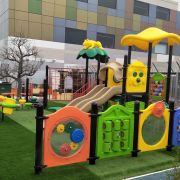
19	59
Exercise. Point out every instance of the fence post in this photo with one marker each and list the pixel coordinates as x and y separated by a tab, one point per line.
124	79
27	89
136	128
94	115
39	138
171	121
45	93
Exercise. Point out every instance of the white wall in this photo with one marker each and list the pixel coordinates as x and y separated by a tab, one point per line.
170	4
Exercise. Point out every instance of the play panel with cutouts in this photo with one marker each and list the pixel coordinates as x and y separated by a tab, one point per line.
153	127
114	132
66	137
136	77
176	128
157	87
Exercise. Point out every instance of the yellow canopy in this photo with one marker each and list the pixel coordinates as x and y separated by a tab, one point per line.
151	35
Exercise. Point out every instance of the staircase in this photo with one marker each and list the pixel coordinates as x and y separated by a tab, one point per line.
83	90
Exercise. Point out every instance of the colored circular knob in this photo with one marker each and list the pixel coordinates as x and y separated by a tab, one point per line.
73	145
77	135
60	128
70	126
65	149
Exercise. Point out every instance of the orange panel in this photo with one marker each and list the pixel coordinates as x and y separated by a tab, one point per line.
56	123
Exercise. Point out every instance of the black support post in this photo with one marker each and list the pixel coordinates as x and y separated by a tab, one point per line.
171	122
47	83
27	89
106	79
169	73
47	72
45	93
39	139
124	79
94	115
129	54
87	66
148	74
136	128
98	68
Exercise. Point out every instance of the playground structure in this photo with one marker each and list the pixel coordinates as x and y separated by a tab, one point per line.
89	127
7	105
68	83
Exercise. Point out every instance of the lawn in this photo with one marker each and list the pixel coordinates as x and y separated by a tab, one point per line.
17	144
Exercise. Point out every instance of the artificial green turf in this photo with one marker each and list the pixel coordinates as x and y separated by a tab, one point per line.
57	103
26	118
17	156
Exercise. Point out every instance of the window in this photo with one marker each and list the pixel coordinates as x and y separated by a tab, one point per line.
161	48
86	1
108	3
141	8
75	36
162	13
107	40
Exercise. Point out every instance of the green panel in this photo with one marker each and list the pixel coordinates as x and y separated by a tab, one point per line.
158	77
158	87
71	3
116	146
130	105
71	13
35	6
116	135
107	126
115	132
107	136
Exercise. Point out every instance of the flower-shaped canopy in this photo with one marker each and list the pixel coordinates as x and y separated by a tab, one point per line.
93	50
151	35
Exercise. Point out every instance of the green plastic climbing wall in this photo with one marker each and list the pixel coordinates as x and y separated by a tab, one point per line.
115	132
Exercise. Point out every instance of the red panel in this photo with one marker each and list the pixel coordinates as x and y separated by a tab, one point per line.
53	159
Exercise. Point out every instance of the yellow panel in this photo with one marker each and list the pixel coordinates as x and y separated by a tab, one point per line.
92	17
47	9
11	4
11	27
136	77
11	14
47	32
21	27
21	5
159	23
49	1
111	21
111	81
61	2
81	15
59	11
35	30
136	17
35	18
47	20
142	146
119	22
136	26
21	15
81	25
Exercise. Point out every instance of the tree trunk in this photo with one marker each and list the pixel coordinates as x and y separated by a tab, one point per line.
19	88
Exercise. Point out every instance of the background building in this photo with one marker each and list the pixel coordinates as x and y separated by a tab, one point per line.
59	27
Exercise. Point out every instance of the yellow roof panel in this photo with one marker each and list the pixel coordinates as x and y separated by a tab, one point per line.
151	35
